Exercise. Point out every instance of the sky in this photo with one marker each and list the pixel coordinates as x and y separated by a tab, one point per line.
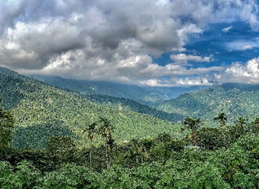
142	42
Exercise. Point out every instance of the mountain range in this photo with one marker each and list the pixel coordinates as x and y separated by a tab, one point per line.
235	100
169	103
41	111
45	106
143	94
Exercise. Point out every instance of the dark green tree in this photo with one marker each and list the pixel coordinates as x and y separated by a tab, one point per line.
194	125
209	138
255	125
222	118
91	130
240	128
133	153
105	130
62	149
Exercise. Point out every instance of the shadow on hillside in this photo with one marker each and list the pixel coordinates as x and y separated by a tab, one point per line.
37	136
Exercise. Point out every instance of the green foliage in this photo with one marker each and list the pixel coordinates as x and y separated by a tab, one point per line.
24	176
233	167
62	148
71	176
6	126
209	138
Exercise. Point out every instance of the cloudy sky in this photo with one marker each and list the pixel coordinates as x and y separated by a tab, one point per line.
147	42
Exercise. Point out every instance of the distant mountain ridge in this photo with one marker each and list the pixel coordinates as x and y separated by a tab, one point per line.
242	87
114	102
236	100
141	94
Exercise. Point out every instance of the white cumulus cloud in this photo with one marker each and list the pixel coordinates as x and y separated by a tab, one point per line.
240	73
111	39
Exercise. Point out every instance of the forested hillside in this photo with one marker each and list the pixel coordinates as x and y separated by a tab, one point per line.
41	111
223	157
128	104
51	138
236	100
142	94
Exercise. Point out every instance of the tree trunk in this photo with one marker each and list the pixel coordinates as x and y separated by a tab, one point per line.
194	137
90	155
107	153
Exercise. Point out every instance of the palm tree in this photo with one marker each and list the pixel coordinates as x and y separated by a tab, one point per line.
222	118
194	125
91	130
105	129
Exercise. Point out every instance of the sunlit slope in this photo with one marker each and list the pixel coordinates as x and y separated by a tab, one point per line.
236	100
